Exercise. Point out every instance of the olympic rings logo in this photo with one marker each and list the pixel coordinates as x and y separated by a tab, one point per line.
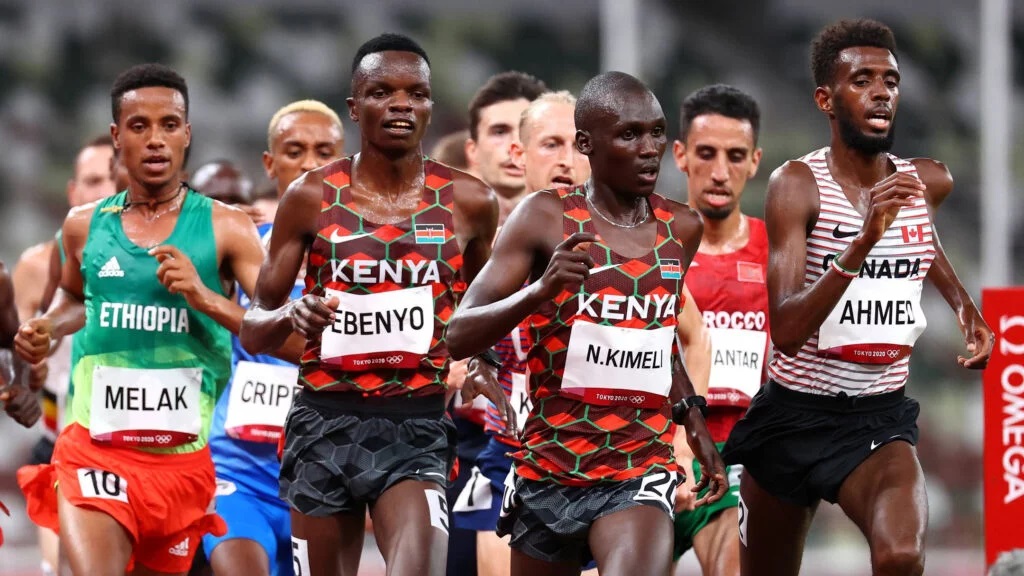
163	438
636	399
396	359
894	353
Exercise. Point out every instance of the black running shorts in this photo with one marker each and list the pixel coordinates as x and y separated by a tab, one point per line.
801	447
342	451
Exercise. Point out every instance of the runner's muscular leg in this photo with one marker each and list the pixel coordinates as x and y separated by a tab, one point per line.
775	531
492	554
885	497
94	543
327	546
524	565
717	545
637	540
410	521
240	557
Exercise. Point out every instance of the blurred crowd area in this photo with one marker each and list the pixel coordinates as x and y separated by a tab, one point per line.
244	59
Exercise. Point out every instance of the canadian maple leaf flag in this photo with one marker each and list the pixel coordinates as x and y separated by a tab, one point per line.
913	234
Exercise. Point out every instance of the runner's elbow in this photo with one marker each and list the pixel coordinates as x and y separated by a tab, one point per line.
459	345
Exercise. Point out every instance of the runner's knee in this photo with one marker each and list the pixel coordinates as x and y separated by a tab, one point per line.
898	559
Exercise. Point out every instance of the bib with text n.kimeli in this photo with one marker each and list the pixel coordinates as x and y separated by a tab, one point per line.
610	365
144	407
261	395
876	321
385	330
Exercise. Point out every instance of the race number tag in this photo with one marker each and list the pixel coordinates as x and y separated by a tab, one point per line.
102	484
476	495
737	364
609	365
520	399
373	331
145	408
876	321
261	395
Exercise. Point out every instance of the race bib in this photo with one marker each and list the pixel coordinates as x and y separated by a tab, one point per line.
876	321
261	395
609	365
737	361
145	408
386	330
520	399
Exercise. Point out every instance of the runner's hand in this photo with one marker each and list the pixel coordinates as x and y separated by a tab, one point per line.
21	404
177	273
33	340
980	340
686	491
482	378
37	374
569	266
712	469
311	314
886	198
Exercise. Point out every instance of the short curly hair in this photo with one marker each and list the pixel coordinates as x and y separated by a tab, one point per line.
845	34
145	76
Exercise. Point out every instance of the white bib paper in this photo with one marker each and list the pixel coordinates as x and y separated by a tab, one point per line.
876	321
145	407
737	362
609	365
261	395
386	330
520	399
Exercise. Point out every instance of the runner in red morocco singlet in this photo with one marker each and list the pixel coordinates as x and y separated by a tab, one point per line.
596	475
392	240
717	149
851	241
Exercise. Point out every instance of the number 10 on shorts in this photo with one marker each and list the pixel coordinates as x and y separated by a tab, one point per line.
102	484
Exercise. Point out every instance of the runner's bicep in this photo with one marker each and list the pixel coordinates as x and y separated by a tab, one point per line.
507	269
788	215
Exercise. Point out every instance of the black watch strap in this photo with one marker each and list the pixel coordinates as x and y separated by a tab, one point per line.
679	408
491	357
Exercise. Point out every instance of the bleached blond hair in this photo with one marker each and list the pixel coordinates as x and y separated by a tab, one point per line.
315	106
559	97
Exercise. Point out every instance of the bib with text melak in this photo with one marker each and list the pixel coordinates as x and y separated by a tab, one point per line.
876	321
385	330
261	395
145	407
611	365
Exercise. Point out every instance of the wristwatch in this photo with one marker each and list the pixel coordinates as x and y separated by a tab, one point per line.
491	357
679	408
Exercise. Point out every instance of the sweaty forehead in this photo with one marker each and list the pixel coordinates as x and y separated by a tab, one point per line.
154	100
858	57
392	63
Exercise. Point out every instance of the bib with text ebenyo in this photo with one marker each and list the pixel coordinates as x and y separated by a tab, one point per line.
876	321
261	395
611	365
145	407
385	330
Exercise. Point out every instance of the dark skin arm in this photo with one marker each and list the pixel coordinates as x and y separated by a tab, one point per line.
978	337
791	210
20	401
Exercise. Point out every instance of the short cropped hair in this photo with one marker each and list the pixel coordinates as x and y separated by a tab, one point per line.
559	97
388	42
314	106
146	76
723	100
503	87
845	34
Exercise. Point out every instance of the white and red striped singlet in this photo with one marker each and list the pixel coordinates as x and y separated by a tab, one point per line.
863	347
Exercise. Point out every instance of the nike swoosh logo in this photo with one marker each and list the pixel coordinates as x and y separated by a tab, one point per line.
338	239
836	233
877	444
603	268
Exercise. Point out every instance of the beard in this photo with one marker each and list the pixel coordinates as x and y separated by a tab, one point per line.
857	140
716	212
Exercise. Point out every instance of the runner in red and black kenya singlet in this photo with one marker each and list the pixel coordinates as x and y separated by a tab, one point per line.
397	285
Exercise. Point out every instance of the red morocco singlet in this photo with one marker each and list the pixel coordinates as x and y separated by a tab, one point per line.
864	345
731	292
601	362
397	284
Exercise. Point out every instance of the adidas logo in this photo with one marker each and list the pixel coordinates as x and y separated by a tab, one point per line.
112	269
180	549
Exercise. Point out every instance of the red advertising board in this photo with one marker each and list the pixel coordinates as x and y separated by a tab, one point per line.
1003	309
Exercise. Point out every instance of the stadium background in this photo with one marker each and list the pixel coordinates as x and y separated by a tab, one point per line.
245	58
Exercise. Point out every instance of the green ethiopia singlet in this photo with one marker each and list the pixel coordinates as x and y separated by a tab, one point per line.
151	367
